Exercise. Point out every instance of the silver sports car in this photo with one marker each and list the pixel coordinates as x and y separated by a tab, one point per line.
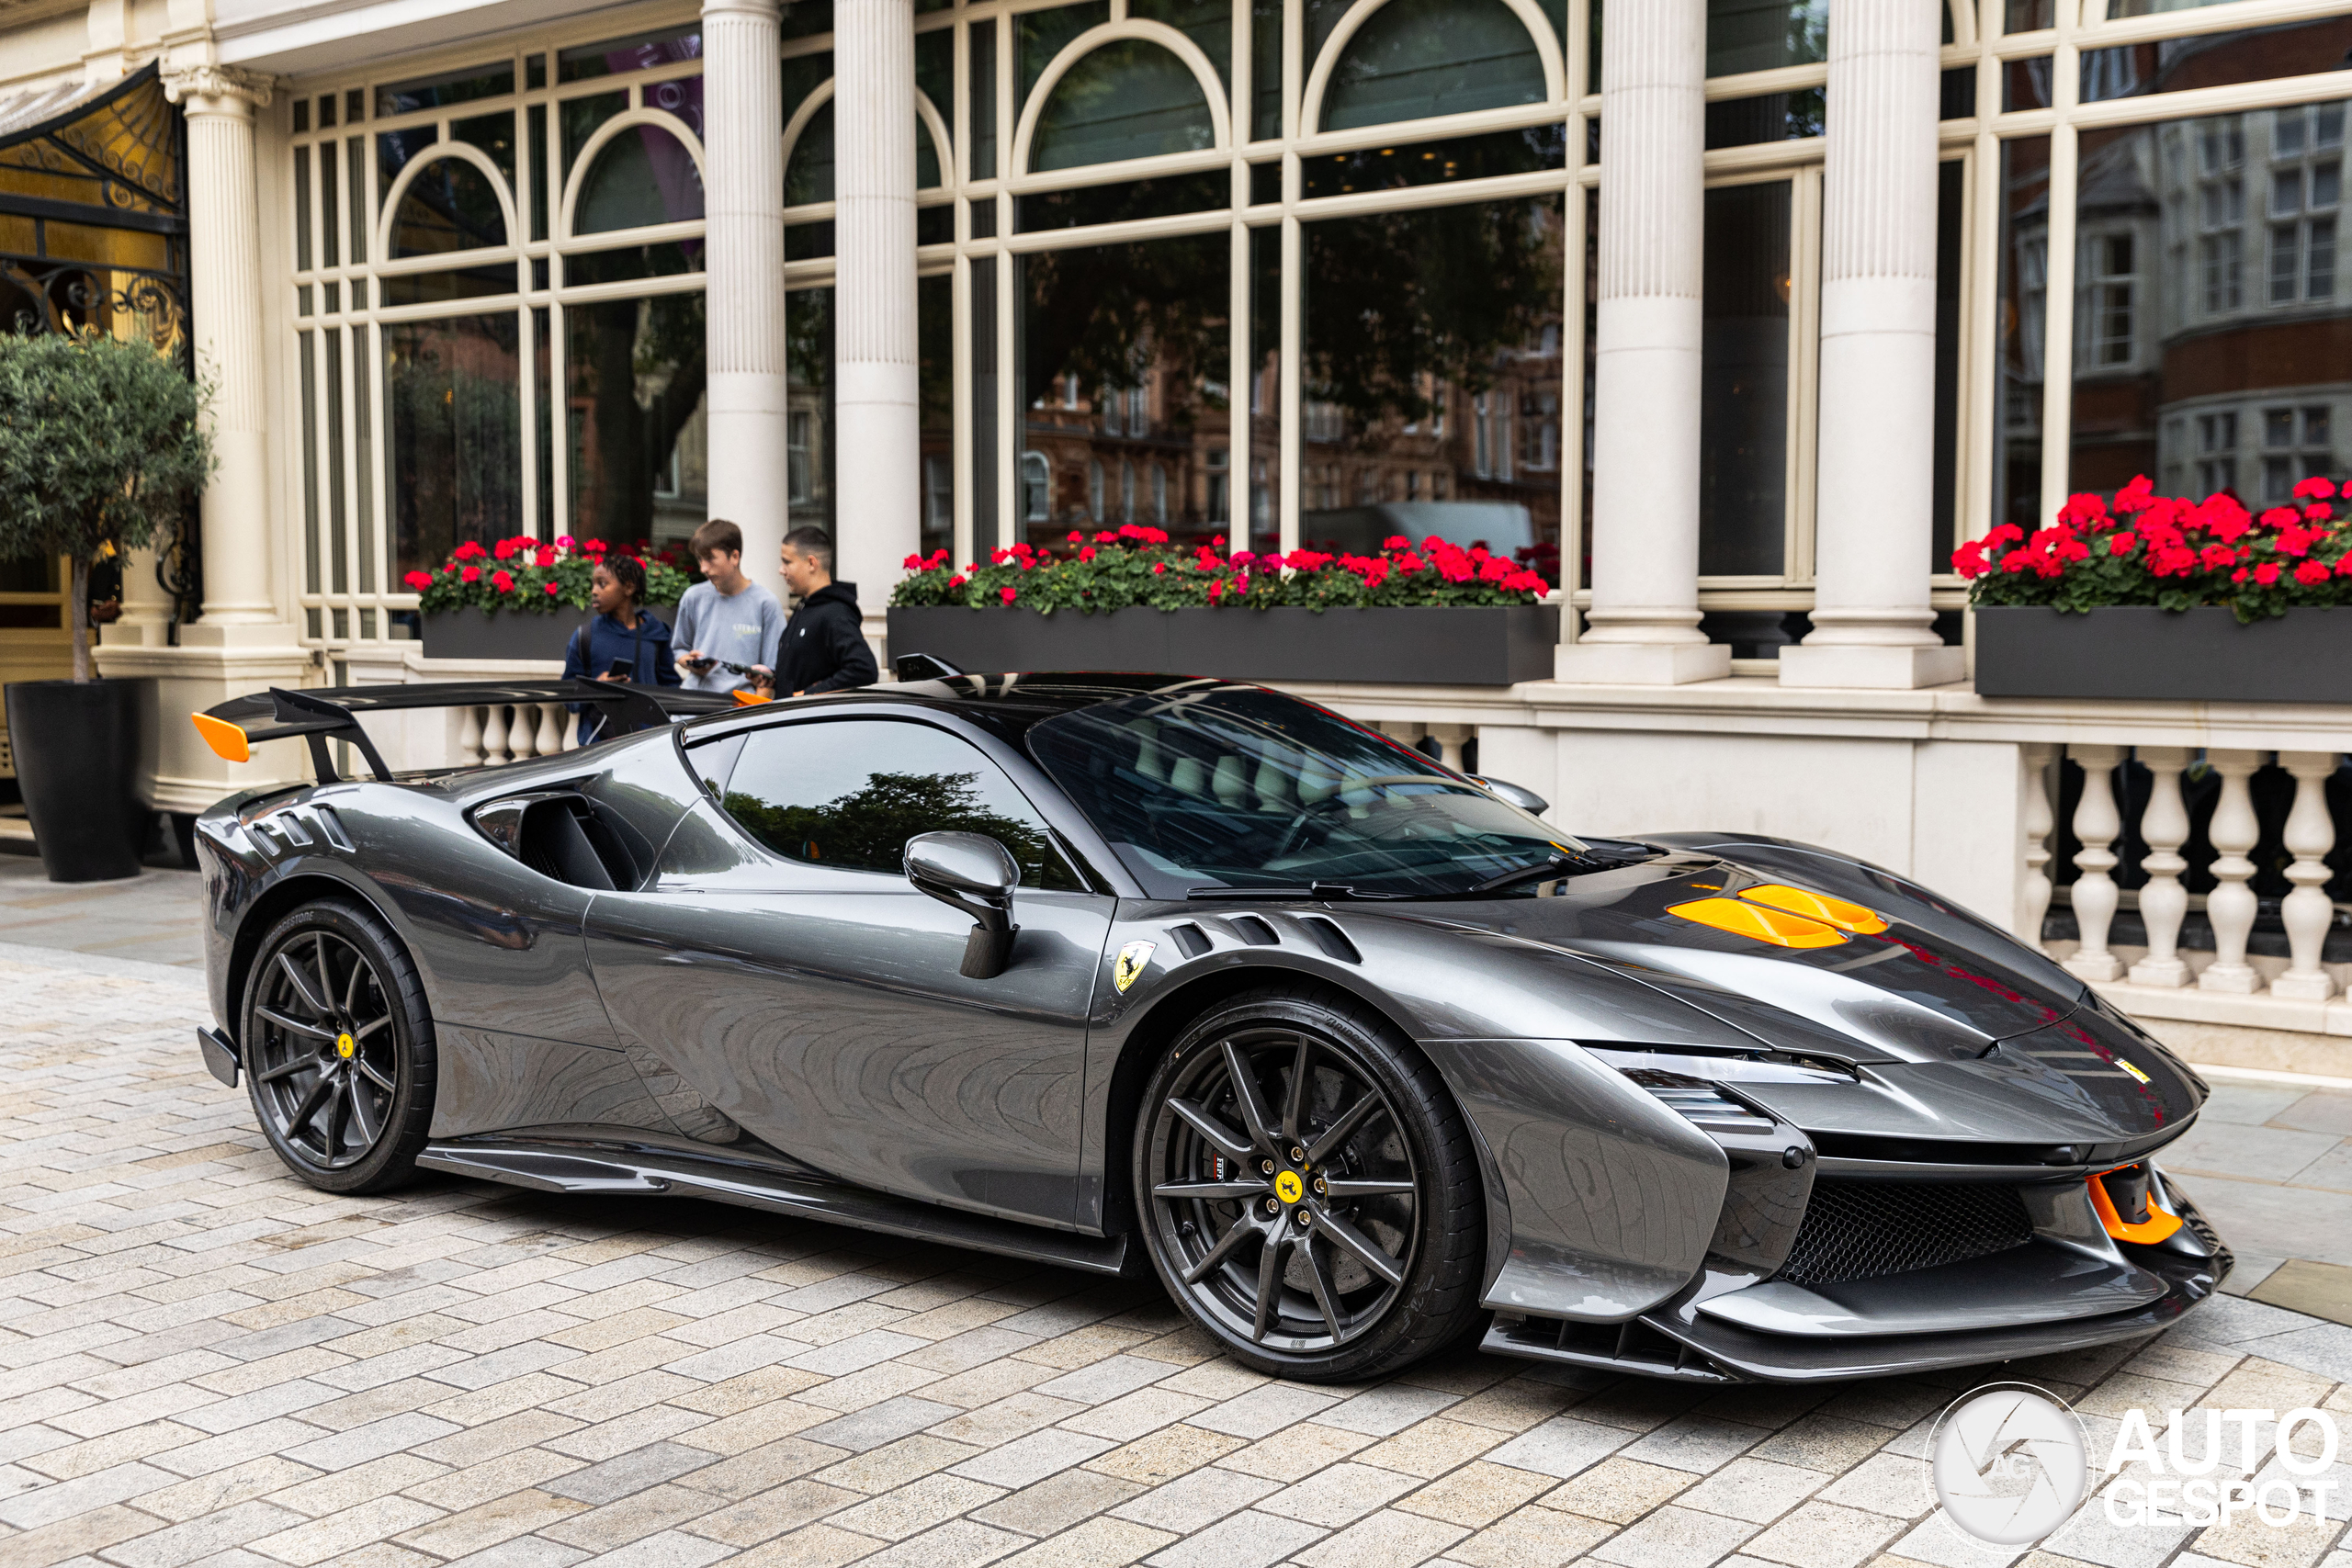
1117	972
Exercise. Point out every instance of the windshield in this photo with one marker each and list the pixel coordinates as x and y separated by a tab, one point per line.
1206	785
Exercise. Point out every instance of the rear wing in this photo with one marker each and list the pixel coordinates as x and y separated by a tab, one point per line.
232	729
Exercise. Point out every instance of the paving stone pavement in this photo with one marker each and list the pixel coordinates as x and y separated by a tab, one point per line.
203	1362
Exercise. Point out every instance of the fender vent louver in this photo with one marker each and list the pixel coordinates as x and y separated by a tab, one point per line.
331	825
1191	938
1254	931
1330	939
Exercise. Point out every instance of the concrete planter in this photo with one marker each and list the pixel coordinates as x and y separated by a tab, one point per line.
1482	646
480	633
2140	653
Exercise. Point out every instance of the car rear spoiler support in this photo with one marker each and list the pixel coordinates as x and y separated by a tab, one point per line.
234	726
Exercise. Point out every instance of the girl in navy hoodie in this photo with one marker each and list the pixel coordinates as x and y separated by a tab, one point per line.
623	638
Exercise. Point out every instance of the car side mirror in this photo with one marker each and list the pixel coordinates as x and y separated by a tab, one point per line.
973	873
1526	799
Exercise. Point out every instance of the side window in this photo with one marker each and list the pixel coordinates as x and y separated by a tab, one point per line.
849	794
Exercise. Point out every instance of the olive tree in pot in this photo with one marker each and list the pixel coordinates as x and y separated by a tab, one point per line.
100	446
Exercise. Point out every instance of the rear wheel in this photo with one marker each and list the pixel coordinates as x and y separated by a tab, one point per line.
1309	1190
338	1049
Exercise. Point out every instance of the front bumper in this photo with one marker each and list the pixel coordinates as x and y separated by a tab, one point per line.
1679	1339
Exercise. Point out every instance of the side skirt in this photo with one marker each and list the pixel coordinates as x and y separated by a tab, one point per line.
589	1168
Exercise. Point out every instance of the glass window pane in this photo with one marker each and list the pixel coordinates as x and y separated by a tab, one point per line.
1764	34
935	71
1259	489
1523	151
642	52
644	176
1434	366
1127	100
449	205
330	207
1266	69
809	177
1208	22
452	403
1744	383
494	134
2024	259
1039	35
809	404
1770	117
983	47
440	92
936	340
808	18
2210	346
1951	197
1122	201
580	117
357	163
634	376
302	210
2254	54
849	794
1418	58
461	283
1121	358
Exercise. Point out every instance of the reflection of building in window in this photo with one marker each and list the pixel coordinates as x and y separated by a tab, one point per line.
2220	212
1036	487
938	492
797	466
2306	180
1094	489
1220	485
2217	445
2295	446
1159	495
2110	292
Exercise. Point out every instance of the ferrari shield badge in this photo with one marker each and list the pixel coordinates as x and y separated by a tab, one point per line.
1130	967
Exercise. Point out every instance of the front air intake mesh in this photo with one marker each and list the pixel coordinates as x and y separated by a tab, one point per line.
1861	1230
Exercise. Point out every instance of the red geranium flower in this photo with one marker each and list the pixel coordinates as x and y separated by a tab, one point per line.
2311	574
551	588
2315	489
2267	573
472	574
1005	593
420	580
502	582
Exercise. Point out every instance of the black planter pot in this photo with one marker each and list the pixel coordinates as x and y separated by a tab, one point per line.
76	746
482	634
1478	646
2138	652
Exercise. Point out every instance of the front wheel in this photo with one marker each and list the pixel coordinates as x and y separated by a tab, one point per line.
1307	1187
338	1049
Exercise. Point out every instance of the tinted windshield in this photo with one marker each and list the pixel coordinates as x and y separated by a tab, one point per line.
1212	785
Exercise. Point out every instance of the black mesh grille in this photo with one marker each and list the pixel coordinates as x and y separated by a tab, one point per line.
1861	1229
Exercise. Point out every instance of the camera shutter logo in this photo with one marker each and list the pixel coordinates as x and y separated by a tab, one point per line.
2007	1462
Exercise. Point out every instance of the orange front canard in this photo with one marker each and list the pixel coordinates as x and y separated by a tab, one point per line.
745	698
1816	907
1759	922
228	741
2159	1225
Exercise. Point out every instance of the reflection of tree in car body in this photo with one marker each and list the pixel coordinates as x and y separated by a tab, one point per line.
867	829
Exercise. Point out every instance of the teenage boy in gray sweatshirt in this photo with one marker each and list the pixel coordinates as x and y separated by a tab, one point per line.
726	619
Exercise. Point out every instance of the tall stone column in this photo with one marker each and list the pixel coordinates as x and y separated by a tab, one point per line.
878	430
1875	515
224	283
743	201
1644	625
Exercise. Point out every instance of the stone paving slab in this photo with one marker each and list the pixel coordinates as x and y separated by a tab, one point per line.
203	1362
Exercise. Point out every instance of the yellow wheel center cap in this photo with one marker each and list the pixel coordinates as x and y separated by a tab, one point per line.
344	1046
1289	1188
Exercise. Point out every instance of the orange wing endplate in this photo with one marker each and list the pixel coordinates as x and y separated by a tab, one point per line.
228	741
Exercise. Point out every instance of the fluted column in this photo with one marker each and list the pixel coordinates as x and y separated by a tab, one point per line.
1644	625
1875	519
224	285
744	198
874	227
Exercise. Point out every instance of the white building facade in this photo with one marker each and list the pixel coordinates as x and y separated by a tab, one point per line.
1732	316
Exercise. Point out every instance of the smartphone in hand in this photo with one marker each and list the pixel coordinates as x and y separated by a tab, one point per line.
622	669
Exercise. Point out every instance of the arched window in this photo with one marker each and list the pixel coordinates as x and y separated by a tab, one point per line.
1413	59
644	176
449	205
808	178
1127	100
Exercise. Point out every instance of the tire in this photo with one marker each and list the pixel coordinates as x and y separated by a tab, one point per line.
341	1074
1370	1227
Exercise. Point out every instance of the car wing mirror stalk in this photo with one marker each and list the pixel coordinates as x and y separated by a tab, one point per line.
973	873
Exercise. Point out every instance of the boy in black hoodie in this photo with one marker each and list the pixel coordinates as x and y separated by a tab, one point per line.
824	646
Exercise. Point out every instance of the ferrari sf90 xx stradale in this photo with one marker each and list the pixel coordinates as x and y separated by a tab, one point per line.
1136	972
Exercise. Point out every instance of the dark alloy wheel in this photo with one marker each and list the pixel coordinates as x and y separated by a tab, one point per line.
338	1049
1307	1187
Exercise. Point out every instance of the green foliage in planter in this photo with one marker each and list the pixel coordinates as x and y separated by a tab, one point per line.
100	448
529	576
2175	554
1130	566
